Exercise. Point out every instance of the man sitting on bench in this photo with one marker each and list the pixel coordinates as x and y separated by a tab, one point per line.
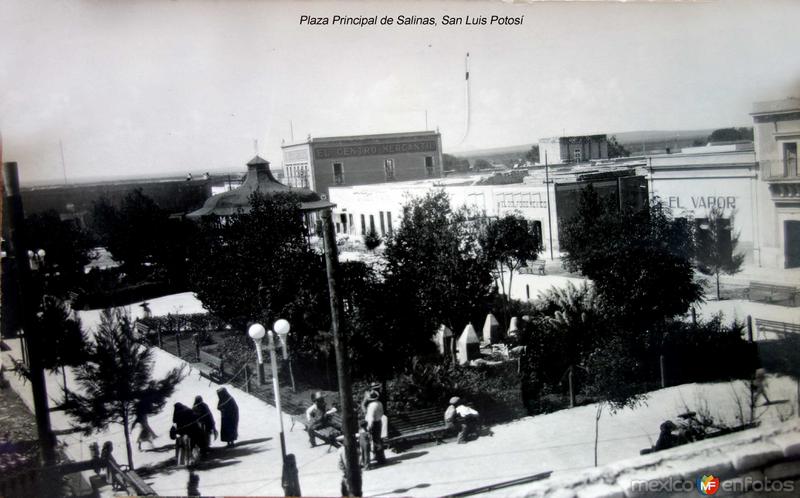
461	417
317	417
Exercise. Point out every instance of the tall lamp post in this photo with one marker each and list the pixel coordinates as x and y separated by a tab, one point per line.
278	334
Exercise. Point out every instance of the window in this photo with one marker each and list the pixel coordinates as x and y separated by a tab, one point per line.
371	223
350	218
388	166
383	227
343	219
338	174
429	165
790	159
577	155
363	225
389	221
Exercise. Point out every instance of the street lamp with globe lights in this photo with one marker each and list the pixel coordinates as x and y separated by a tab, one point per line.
279	333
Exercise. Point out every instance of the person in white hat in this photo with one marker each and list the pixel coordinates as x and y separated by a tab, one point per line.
317	417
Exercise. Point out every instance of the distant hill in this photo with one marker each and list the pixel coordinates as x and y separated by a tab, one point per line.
635	141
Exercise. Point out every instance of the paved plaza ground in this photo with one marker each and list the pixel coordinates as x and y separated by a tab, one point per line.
562	440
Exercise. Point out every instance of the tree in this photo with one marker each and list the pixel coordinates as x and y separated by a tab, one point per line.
480	164
143	237
258	266
435	271
509	242
616	149
613	378
532	156
116	377
376	348
371	239
67	247
716	246
453	163
731	134
633	256
62	333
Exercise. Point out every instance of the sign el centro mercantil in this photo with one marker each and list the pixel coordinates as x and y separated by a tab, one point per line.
375	149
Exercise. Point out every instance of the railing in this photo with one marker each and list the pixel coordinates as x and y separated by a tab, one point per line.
777	170
39	481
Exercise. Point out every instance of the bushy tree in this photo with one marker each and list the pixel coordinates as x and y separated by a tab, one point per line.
480	164
731	134
257	267
616	149
67	247
532	155
144	238
67	343
371	239
376	347
435	271
115	378
509	242
716	246
639	260
453	163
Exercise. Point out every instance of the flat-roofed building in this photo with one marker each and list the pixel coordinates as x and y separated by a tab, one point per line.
322	162
776	127
576	149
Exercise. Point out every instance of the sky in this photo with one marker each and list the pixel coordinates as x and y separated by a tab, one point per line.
150	87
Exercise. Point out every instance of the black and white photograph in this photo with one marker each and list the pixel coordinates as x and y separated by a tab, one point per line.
375	248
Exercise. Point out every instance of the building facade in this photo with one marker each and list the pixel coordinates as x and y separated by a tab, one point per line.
689	183
776	127
323	162
568	150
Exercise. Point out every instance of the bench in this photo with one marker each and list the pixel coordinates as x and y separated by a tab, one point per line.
534	267
427	423
779	328
141	487
770	293
211	367
121	478
141	330
327	434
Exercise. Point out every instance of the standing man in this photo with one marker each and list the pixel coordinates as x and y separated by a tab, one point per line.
374	415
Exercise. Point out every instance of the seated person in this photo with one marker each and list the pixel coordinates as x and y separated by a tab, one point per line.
317	417
461	416
666	439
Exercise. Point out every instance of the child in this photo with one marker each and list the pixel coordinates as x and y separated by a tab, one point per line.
363	444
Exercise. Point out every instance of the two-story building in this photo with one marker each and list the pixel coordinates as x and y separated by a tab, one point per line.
322	162
776	126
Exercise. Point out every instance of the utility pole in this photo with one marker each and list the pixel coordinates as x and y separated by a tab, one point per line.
353	469
547	189
16	223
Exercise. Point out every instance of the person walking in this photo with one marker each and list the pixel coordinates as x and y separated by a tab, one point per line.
146	435
205	422
229	417
374	416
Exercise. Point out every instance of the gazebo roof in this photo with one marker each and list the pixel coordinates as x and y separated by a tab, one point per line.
259	178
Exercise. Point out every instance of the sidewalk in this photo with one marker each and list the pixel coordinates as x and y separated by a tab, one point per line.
559	441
